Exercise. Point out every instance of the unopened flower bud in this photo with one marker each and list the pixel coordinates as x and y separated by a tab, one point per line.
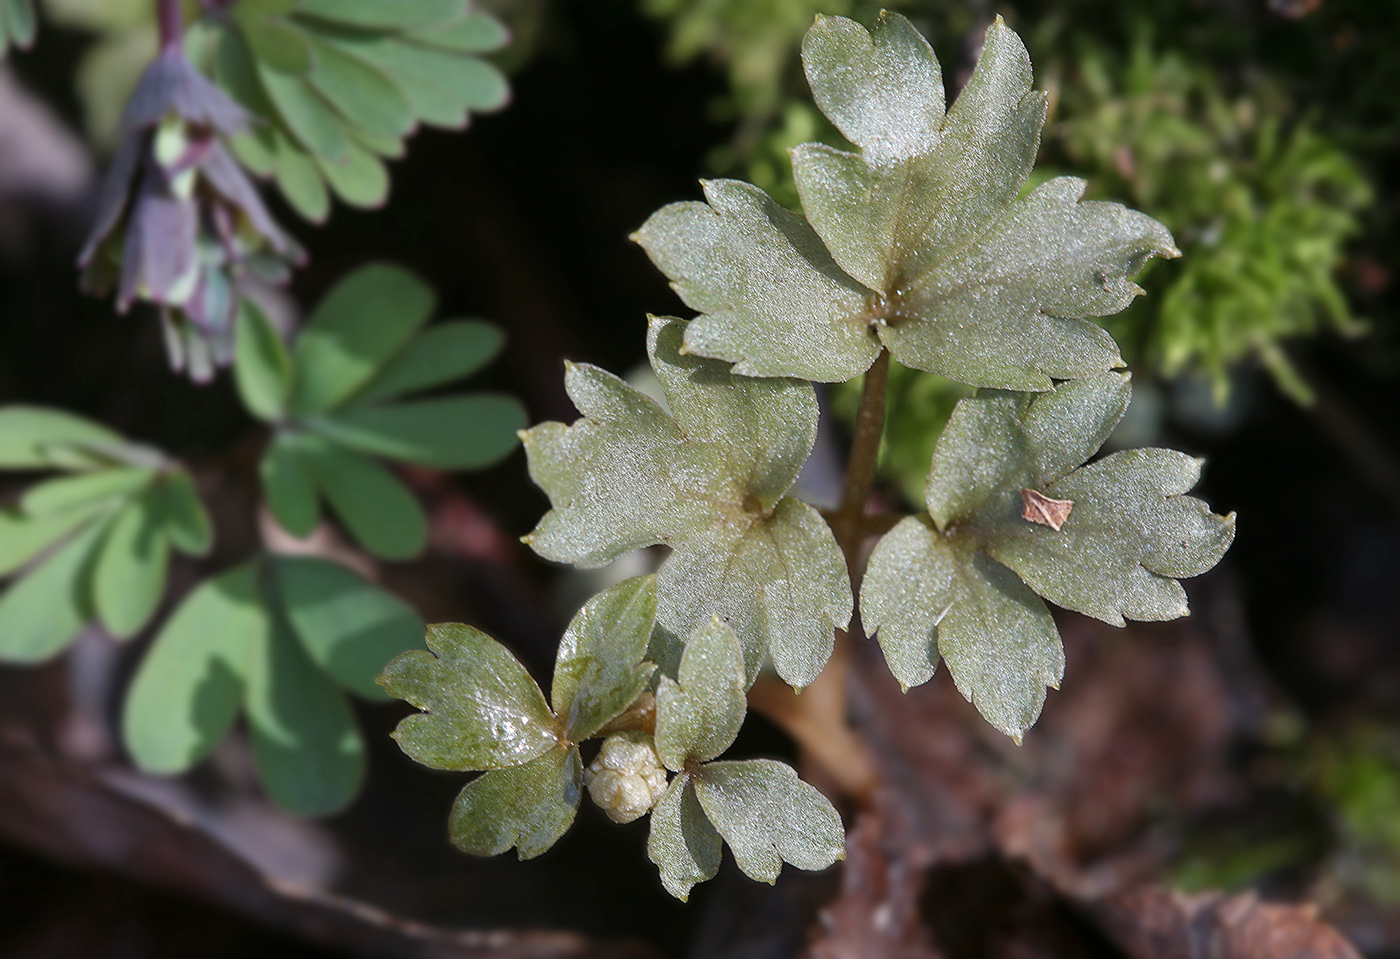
627	778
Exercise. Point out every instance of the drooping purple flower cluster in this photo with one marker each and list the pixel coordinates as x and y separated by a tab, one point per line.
179	222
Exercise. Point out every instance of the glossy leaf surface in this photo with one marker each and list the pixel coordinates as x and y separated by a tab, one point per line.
599	669
527	806
481	708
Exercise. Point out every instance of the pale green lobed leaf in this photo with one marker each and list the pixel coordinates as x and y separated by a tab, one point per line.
683	843
924	596
481	709
918	242
709	483
598	671
620	478
1129	534
768	816
764	429
780	582
773	300
699	714
997	443
883	88
527	806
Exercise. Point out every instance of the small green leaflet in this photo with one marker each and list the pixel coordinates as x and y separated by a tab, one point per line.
708	479
966	581
92	544
918	243
337	400
482	711
280	639
766	814
341	83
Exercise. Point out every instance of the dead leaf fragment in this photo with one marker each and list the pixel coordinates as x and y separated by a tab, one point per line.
1041	509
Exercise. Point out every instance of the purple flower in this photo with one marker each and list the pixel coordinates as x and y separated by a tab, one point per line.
178	221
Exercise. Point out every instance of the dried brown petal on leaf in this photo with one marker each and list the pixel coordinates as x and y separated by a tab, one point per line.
1039	508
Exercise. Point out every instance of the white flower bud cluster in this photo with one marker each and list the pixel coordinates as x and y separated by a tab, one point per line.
627	778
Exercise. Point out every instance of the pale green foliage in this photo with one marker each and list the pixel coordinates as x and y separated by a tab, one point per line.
278	639
341	84
708	479
766	814
90	545
483	711
946	584
336	400
918	243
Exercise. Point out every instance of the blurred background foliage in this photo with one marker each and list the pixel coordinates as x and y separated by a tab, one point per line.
1264	133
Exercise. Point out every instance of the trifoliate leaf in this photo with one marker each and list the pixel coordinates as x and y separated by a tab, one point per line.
36	437
599	670
481	708
46	609
707	479
773	301
698	716
363	321
768	816
947	586
190	686
445	352
308	752
129	578
348	627
262	366
528	806
375	506
683	843
918	243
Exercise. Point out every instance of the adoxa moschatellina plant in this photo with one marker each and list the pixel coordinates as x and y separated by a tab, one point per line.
918	246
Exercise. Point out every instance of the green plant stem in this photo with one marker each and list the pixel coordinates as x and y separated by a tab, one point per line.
849	520
817	718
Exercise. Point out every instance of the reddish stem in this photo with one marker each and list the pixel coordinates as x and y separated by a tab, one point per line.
172	24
